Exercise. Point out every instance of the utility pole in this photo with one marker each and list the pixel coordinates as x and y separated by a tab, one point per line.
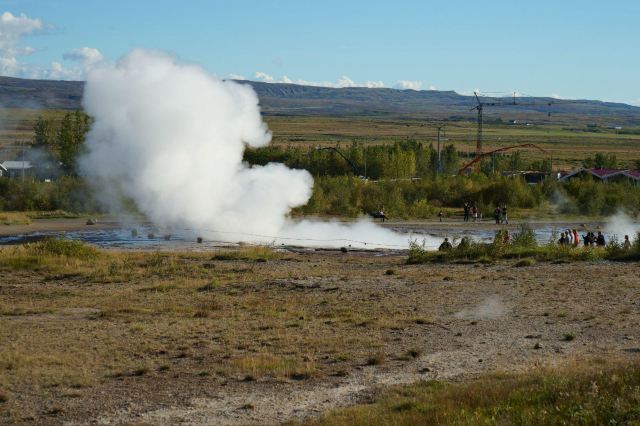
479	107
22	164
365	162
439	170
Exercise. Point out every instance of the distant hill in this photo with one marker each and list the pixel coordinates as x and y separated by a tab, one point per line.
293	99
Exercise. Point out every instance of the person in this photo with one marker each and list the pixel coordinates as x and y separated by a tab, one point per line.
600	240
627	244
445	246
464	243
466	212
505	219
496	215
440	214
563	239
474	212
379	214
569	237
576	238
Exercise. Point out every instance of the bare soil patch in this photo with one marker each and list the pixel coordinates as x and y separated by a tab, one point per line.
151	338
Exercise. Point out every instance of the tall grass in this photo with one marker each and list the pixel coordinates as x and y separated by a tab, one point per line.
573	395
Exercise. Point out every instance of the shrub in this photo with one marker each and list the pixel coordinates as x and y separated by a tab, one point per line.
60	247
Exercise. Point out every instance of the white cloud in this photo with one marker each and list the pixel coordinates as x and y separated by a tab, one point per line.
374	84
556	96
408	85
261	76
87	56
343	81
12	29
236	77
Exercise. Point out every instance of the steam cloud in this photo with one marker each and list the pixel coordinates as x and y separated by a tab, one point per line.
171	137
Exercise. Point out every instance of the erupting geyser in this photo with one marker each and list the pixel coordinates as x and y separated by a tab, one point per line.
171	137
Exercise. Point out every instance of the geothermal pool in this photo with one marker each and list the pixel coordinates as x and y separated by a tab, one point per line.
149	238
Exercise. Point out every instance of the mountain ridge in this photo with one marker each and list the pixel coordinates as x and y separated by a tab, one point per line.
300	100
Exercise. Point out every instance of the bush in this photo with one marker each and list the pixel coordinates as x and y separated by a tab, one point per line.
59	247
525	237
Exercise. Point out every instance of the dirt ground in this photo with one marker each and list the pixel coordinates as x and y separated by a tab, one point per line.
213	338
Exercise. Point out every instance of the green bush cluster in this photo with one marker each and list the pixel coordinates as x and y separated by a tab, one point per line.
423	198
70	194
402	160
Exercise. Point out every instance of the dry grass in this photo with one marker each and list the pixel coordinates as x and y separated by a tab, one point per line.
82	322
14	218
77	317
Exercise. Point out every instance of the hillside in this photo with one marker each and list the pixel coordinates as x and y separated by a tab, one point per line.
292	99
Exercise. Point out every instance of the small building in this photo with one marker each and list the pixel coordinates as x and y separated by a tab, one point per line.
3	171
17	169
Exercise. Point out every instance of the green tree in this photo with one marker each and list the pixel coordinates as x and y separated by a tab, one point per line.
601	161
45	133
70	143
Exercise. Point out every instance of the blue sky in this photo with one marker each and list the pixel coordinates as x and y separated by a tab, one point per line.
574	49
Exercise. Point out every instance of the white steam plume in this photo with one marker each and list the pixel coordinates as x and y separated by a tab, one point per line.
171	137
620	225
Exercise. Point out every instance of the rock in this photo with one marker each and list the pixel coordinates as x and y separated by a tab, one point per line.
537	346
424	370
92	221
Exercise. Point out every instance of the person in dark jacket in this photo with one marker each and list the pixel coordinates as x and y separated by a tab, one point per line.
600	240
445	246
505	218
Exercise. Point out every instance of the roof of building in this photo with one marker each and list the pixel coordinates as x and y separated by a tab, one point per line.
603	173
17	165
634	174
599	173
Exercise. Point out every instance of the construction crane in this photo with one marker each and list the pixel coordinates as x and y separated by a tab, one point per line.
480	109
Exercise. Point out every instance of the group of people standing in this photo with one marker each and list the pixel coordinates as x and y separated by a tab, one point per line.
571	238
472	212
